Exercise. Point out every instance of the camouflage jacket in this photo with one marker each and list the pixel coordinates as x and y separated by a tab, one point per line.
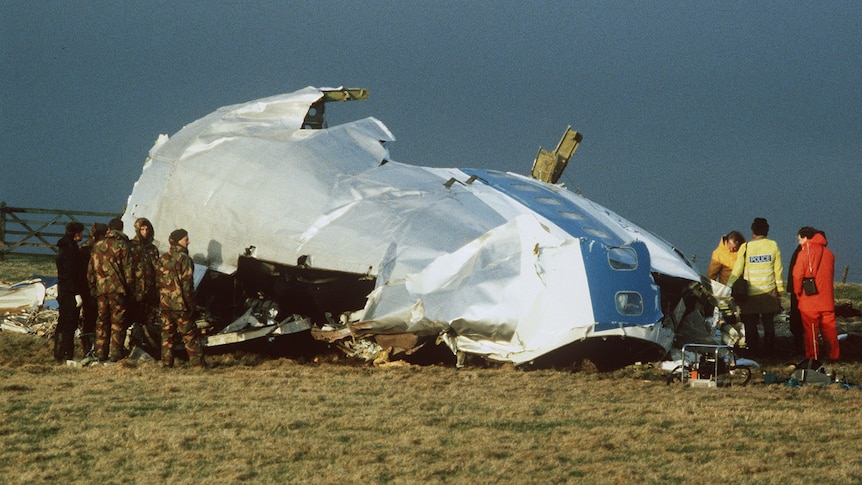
176	280
145	258
110	267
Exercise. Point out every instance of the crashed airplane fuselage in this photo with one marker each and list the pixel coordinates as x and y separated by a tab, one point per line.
320	222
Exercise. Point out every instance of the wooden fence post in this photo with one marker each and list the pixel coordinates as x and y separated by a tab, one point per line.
846	270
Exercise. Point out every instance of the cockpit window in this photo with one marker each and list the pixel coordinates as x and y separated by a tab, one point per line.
597	233
572	215
623	259
548	200
525	187
629	303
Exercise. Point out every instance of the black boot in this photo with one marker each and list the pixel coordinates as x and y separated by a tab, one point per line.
58	347
67	347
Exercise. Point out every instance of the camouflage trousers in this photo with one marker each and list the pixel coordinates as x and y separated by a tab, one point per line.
111	326
175	323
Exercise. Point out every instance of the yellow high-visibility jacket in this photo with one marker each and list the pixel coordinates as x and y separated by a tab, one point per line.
761	266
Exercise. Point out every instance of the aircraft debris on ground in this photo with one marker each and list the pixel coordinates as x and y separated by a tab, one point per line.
28	307
310	234
370	253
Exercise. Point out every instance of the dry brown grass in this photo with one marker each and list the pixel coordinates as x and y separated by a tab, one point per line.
253	419
258	420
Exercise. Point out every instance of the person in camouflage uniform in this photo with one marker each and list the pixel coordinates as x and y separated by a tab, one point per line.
70	286
111	280
89	308
145	308
177	300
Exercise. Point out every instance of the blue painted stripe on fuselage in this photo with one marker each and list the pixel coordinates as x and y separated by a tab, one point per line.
604	282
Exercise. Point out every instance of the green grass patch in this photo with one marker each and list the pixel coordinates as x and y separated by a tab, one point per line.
851	292
19	267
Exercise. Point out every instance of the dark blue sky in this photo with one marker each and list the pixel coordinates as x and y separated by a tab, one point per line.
697	116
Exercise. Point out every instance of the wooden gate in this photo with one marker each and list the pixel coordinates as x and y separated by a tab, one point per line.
36	231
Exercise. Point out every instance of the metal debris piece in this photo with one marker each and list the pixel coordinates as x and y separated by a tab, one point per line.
290	325
35	321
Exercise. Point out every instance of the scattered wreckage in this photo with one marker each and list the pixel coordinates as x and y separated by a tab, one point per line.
302	233
297	227
29	307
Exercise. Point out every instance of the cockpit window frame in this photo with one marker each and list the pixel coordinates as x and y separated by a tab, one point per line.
623	311
622	263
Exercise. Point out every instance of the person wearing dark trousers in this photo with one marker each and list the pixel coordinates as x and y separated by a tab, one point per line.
761	266
71	276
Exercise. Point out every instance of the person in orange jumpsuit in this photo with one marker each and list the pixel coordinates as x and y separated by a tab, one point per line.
817	308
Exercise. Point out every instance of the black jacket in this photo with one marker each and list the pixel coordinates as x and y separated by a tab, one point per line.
71	274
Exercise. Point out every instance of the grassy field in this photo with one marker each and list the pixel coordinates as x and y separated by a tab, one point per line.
16	267
255	419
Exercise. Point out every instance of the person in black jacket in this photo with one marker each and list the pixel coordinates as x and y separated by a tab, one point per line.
70	276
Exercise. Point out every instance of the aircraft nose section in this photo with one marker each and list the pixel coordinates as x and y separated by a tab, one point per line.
622	289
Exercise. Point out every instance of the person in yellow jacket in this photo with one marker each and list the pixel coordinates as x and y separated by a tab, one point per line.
760	264
724	257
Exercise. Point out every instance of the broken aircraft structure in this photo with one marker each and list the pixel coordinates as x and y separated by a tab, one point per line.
298	227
